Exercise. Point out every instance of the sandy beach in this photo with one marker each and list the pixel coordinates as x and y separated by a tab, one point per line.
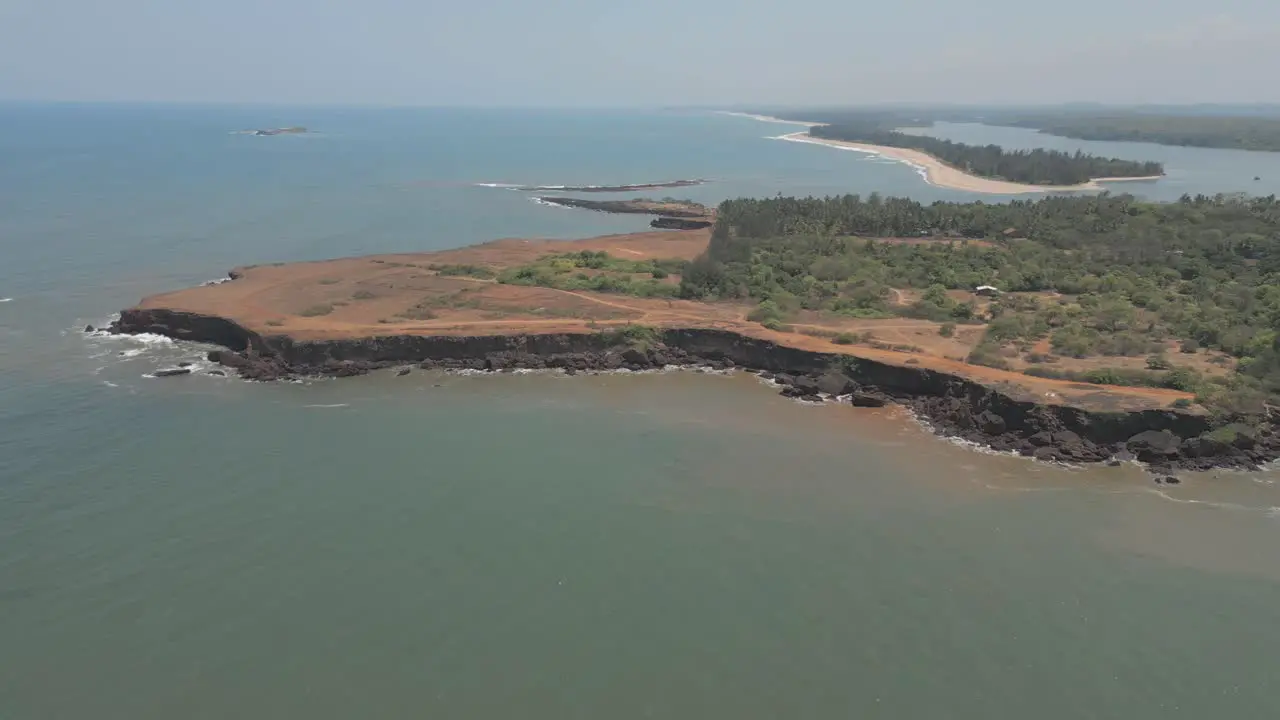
933	170
936	172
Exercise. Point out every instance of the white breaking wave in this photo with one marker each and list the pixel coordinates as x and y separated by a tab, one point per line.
335	405
148	339
638	187
921	170
4	300
540	201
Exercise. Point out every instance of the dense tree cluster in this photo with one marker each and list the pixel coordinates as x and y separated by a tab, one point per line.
1132	274
1037	167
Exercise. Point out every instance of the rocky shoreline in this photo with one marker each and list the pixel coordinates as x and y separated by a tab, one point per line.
631	207
614	188
1166	439
671	215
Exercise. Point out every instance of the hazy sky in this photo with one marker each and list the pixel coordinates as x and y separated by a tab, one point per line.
655	52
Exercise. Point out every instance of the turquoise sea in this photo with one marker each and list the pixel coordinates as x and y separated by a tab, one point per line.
627	546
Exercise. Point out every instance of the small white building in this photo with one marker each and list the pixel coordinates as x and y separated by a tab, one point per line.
986	290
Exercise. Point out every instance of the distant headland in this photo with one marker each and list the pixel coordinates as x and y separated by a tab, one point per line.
598	188
1005	325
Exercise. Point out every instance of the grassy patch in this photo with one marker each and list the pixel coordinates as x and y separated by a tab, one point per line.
592	271
418	312
316	310
631	334
329	281
467	270
363	295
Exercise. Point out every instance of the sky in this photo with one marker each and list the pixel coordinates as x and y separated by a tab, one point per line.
614	53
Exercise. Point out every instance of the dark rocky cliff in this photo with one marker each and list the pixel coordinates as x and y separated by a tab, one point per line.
953	405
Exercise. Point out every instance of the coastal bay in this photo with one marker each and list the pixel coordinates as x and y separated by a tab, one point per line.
473	543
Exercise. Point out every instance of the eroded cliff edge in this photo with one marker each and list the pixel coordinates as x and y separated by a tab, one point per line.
1002	418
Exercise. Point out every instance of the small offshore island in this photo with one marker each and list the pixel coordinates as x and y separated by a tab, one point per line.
1073	329
268	132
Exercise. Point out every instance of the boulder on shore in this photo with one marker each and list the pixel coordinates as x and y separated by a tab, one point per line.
835	383
1045	454
806	385
867	400
171	372
634	356
1044	438
1153	445
991	423
1202	447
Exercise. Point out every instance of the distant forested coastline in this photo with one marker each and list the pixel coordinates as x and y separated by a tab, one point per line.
1034	167
1235	128
1237	133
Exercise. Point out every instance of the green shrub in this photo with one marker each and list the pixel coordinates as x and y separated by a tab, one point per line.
846	338
947	329
987	355
1184	379
317	310
1181	403
766	311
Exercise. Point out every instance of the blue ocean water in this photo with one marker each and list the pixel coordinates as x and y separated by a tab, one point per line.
528	546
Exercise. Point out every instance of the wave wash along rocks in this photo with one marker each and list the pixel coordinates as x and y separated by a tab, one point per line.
953	405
